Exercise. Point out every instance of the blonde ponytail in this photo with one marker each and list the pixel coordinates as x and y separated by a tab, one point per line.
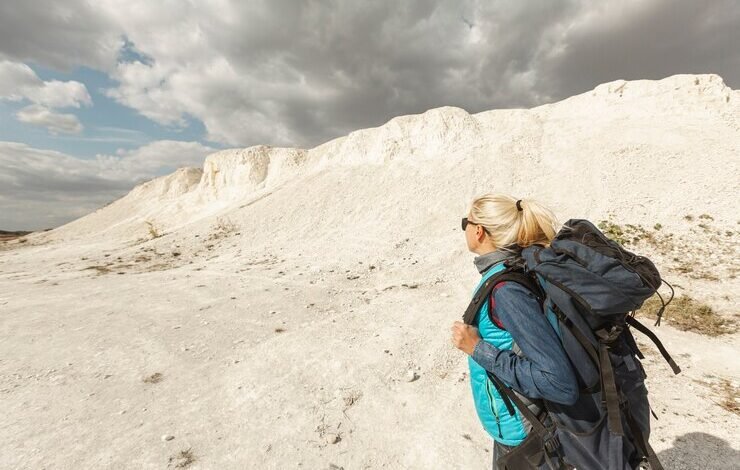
506	224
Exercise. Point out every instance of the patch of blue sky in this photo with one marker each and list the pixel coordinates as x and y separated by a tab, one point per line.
129	53
108	125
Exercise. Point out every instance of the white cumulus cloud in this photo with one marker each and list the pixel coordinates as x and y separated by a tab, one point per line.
43	188
56	123
18	82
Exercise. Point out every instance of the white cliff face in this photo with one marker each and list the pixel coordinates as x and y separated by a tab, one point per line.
171	186
237	173
625	146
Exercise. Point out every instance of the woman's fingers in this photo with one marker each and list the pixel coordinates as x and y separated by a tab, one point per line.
464	336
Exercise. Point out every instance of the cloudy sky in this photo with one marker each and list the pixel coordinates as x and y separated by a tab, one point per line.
96	96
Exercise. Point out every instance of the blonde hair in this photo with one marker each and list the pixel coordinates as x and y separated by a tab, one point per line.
506	224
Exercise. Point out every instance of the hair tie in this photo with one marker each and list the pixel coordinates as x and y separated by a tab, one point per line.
518	205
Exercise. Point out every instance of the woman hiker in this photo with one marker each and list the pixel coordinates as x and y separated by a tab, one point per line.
516	343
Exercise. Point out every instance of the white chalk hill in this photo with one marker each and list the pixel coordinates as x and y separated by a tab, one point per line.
297	303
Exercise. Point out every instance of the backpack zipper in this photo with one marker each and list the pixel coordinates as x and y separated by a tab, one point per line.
493	407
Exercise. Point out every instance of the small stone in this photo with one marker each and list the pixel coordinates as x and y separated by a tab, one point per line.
411	376
167	437
332	438
122	412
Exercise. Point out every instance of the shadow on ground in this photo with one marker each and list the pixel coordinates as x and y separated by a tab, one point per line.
698	450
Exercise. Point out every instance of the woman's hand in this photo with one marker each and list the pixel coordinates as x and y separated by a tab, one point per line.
465	337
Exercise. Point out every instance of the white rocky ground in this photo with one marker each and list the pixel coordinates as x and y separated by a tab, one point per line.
279	301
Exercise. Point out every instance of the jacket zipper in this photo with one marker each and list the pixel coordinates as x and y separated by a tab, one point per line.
493	407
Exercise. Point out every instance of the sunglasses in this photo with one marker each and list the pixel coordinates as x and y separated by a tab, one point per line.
465	223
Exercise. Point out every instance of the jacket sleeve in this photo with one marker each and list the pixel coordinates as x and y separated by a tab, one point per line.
543	370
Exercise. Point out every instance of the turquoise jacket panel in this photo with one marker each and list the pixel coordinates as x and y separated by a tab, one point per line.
495	418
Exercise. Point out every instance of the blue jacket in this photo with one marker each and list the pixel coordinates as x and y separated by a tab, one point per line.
541	370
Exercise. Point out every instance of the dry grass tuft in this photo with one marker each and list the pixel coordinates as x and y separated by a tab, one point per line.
100	269
223	228
154	378
726	391
688	314
184	458
729	396
154	232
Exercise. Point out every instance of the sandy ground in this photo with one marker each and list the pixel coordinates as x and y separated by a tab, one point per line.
273	316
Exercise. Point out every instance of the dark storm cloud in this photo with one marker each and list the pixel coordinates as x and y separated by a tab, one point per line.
57	34
383	59
299	73
650	41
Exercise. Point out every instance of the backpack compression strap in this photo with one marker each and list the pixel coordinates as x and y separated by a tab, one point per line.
632	321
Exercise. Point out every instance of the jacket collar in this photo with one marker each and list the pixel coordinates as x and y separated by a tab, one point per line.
487	260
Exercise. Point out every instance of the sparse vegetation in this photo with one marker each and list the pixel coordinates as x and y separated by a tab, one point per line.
5	235
154	378
683	268
723	389
223	228
688	314
630	233
100	269
613	231
695	254
154	231
688	217
183	458
729	395
351	398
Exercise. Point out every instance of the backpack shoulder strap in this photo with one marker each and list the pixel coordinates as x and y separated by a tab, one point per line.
514	272
480	296
520	277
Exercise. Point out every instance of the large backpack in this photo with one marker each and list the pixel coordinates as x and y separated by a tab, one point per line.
589	286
